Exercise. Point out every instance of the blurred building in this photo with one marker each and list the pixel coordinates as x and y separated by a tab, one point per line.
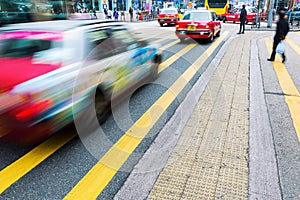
12	11
15	11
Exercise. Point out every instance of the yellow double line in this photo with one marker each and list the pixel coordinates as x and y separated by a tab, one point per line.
292	96
22	166
93	183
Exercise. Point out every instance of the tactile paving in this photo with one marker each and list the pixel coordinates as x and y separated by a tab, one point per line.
210	160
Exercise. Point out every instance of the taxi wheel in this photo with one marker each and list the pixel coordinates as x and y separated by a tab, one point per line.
161	25
224	19
218	34
211	39
101	106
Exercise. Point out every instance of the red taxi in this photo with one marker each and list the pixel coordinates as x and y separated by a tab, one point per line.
198	24
52	72
235	15
168	16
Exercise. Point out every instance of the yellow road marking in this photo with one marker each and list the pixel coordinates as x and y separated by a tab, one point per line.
292	97
159	40
92	184
22	166
169	45
173	58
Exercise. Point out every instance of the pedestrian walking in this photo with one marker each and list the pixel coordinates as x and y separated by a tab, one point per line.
95	13
109	14
243	19
91	14
131	13
106	13
282	29
116	14
123	15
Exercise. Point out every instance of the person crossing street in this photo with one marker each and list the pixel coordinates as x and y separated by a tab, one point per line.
282	29
243	19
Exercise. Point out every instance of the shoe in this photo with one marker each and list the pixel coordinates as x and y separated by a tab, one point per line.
239	33
270	60
283	58
243	33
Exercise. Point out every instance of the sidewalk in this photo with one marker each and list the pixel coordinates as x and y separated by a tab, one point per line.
210	158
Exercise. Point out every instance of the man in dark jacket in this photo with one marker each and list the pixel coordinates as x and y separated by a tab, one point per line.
131	13
243	19
282	29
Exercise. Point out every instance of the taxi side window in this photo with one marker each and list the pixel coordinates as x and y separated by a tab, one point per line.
123	41
99	44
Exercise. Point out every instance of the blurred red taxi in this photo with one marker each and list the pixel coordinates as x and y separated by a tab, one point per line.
168	16
198	24
51	71
252	14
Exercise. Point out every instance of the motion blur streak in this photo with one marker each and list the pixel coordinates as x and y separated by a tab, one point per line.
292	96
92	184
22	166
41	60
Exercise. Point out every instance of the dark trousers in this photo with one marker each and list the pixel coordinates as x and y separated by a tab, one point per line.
242	25
131	16
275	44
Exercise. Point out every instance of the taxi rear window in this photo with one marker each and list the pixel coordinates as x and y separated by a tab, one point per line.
27	43
40	46
196	16
168	12
17	48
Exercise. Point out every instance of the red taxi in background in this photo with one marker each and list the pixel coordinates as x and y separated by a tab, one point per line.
198	24
168	16
234	16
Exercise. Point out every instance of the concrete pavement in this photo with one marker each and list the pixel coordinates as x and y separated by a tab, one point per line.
210	159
